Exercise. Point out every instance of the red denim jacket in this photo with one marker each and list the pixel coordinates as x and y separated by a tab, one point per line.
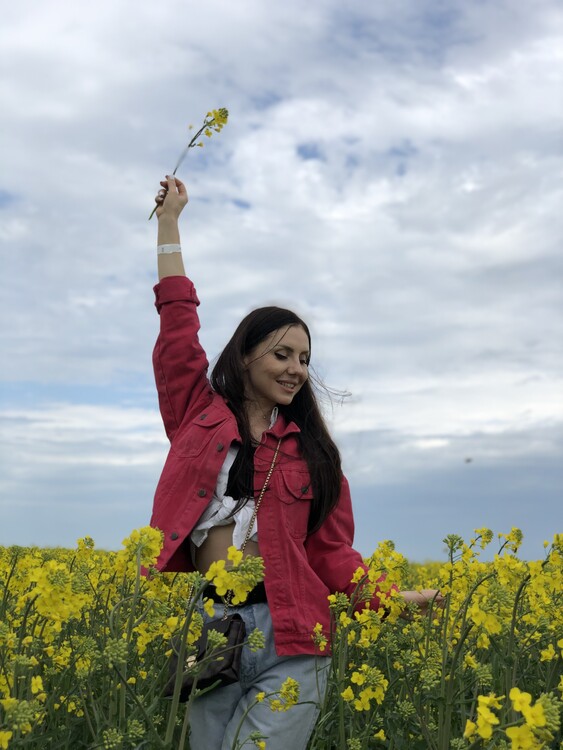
300	570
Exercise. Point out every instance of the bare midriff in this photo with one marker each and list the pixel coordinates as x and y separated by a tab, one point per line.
216	545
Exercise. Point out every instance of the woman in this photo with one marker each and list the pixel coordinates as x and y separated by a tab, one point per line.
223	433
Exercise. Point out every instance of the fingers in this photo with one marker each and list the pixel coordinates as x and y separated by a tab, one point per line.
171	198
181	188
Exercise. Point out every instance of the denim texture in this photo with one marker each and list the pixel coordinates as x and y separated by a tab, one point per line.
215	717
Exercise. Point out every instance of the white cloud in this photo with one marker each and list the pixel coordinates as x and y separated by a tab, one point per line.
422	244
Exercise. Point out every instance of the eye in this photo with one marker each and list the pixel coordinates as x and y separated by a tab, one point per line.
279	355
304	362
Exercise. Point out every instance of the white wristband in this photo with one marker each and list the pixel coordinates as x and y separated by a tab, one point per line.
162	249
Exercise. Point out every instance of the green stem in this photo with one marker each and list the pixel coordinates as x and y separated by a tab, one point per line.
7	587
510	678
146	716
342	653
191	144
234	746
424	729
175	702
86	713
446	690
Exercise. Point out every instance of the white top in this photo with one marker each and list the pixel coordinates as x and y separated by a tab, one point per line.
219	510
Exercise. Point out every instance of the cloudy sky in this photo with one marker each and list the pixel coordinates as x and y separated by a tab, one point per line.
390	170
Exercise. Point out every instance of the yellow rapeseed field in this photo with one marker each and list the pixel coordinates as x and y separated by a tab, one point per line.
85	641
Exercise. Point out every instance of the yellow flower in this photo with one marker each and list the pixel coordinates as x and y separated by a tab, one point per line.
208	607
358	575
319	637
36	685
548	654
358	678
348	694
486	719
379	735
172	624
260	697
289	691
535	716
483	641
490	700
5	738
470	728
345	621
470	661
145	542
522	738
235	556
520	701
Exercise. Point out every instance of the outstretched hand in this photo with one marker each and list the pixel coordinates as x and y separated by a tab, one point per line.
171	198
423	600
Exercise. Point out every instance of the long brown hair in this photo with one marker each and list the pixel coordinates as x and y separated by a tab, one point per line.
318	448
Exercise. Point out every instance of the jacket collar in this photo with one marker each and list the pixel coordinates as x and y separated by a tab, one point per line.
218	411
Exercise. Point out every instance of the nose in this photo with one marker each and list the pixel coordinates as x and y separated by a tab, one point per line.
296	367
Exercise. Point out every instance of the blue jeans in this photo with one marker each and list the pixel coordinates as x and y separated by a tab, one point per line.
215	717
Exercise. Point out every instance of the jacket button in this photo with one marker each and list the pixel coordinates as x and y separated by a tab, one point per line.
173	536
202	492
220	447
203	416
304	489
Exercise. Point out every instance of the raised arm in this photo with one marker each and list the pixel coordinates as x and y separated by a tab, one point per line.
171	199
180	364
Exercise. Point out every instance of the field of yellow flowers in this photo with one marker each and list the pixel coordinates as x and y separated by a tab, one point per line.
85	641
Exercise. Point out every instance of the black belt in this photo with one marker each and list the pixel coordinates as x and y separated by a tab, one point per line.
256	596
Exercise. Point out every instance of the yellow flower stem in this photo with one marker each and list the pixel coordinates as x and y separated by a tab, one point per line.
130	625
185	724
447	684
423	719
7	587
243	717
356	594
93	704
175	702
147	718
86	713
191	144
510	678
235	744
340	679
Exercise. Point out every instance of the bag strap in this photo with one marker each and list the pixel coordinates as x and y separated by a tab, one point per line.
260	496
228	596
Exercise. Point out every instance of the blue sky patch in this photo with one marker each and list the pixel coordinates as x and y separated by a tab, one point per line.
310	151
245	205
6	198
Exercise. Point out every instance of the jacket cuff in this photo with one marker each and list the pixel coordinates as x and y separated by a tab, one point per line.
174	289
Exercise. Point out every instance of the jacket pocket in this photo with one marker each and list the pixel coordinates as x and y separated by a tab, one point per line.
194	436
295	493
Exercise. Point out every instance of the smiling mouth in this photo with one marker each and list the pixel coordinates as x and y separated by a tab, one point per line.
286	385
